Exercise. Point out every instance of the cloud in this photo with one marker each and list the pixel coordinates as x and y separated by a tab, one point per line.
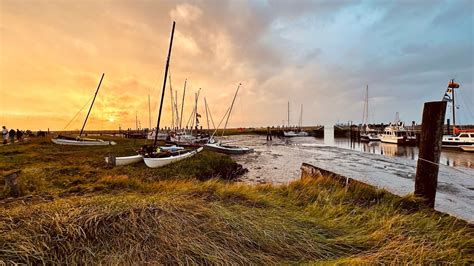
318	53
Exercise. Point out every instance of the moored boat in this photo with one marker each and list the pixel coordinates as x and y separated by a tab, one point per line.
126	160
79	141
299	130
161	135
368	133
218	147
462	139
398	134
292	134
82	142
370	136
172	158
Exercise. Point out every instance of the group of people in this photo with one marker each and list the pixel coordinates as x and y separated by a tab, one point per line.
10	135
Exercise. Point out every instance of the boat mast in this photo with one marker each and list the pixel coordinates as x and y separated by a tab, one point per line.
288	113
149	112
164	85
367	105
182	106
171	102
196	109
207	115
230	110
92	104
454	109
175	106
301	117
193	116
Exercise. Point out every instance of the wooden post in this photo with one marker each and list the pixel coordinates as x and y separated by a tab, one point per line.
12	184
426	179
449	126
111	161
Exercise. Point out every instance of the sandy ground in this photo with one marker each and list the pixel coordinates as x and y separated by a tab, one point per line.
279	162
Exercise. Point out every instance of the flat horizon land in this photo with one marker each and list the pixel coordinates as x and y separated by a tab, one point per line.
73	209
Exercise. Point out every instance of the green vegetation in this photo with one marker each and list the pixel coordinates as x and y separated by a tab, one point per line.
78	211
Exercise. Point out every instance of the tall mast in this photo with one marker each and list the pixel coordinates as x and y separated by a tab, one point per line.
365	113
164	85
136	119
182	106
207	115
367	105
175	106
196	109
171	102
230	110
454	110
149	112
301	117
288	113
92	104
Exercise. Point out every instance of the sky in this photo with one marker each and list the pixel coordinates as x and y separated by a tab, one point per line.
319	54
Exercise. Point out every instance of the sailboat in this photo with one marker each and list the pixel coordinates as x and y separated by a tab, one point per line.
191	138
79	141
296	133
368	133
217	146
154	157
460	139
157	157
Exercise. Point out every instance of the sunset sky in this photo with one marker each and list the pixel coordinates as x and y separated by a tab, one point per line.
317	53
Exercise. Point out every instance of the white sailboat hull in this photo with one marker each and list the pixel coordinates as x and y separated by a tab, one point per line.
227	149
292	134
126	160
161	136
97	142
159	162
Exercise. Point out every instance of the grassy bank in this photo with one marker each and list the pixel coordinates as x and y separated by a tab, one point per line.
137	215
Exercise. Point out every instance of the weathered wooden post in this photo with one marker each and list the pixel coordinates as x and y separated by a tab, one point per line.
427	168
11	183
448	131
111	161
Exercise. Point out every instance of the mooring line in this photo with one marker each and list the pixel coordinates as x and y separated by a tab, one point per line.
438	164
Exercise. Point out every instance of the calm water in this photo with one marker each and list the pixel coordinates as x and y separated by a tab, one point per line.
448	157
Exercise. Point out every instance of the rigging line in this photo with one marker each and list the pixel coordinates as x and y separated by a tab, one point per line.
217	128
438	164
75	116
210	114
466	105
231	106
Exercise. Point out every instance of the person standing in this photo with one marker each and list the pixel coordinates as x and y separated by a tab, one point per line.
12	135
19	134
5	134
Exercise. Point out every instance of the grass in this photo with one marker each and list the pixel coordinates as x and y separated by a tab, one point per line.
131	215
57	169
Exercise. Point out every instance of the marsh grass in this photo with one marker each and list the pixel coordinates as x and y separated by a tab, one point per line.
47	167
136	216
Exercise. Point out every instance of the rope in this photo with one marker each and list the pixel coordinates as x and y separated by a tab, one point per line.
438	164
75	116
